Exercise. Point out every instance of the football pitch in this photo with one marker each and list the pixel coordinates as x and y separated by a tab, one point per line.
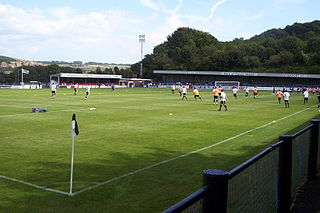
139	149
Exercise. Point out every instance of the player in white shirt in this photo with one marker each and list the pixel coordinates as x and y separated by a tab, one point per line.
173	88
305	97
247	92
53	90
184	93
286	96
75	88
87	92
223	99
234	92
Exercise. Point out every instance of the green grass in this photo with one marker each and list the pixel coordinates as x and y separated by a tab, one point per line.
130	129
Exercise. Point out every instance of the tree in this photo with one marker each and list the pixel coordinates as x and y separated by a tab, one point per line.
275	60
108	71
273	33
251	61
127	73
116	71
98	70
252	49
235	57
292	44
286	57
161	50
270	42
219	61
313	45
303	58
267	53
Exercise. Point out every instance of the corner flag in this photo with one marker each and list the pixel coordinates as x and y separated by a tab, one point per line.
74	132
24	71
75	125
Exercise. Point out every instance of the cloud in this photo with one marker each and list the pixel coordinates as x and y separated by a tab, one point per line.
176	19
110	35
190	18
160	7
19	20
178	7
174	22
159	33
213	9
150	4
61	22
28	22
63	31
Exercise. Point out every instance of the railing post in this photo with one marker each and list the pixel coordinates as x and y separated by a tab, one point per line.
216	199
313	150
285	174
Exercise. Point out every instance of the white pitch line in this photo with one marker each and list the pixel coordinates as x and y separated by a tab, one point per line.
34	186
184	155
68	183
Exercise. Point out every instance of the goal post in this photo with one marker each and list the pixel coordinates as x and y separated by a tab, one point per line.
227	84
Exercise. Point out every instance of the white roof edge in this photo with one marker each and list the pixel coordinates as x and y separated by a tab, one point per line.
81	75
244	74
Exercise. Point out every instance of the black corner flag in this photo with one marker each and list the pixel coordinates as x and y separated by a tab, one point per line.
75	125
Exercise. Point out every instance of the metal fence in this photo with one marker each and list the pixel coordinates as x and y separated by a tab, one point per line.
264	183
252	187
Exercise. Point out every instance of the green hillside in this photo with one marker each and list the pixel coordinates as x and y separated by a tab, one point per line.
294	49
303	31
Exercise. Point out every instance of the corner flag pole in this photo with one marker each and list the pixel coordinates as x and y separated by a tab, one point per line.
74	132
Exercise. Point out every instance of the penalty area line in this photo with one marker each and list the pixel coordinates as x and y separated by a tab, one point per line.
185	155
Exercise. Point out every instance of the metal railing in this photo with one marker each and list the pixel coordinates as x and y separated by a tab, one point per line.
189	202
264	183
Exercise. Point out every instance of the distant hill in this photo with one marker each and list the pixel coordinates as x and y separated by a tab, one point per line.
88	66
303	31
7	59
80	63
16	62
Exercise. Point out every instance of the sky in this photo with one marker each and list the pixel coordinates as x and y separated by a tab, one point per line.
108	31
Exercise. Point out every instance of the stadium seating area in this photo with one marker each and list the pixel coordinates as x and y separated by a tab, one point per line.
244	81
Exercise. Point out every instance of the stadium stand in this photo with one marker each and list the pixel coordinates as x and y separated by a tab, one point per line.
246	79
